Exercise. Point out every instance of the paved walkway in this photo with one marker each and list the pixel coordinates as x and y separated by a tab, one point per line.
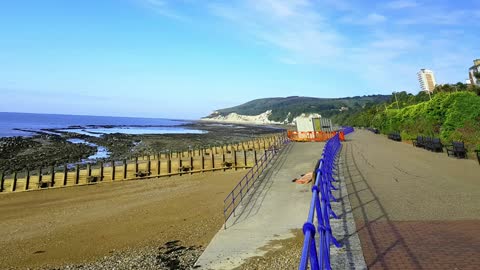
413	209
276	207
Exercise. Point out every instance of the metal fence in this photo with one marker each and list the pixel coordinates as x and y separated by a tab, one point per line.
236	196
241	155
318	239
347	130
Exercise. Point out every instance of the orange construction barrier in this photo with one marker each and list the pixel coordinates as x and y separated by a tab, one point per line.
313	136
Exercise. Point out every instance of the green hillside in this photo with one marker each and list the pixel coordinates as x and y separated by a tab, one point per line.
448	115
281	107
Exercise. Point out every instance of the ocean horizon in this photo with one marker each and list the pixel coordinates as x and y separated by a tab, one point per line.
10	121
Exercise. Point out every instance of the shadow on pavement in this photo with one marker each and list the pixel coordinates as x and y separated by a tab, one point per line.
378	242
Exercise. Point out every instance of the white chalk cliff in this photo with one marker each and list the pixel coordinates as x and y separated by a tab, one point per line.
261	119
239	118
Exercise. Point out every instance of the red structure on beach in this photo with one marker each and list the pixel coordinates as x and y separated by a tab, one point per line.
313	136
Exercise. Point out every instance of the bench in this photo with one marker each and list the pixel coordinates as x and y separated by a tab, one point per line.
227	164
395	136
434	145
184	168
457	149
419	142
374	130
142	173
93	179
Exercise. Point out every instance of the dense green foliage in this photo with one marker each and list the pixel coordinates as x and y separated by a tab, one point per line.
451	114
281	107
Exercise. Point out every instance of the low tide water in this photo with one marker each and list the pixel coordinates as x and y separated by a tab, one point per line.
9	122
102	152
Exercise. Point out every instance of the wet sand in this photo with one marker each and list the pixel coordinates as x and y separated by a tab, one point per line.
78	225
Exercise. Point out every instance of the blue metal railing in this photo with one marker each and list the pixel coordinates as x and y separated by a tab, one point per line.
347	130
316	248
236	196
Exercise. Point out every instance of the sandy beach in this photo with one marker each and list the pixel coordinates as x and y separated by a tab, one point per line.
61	227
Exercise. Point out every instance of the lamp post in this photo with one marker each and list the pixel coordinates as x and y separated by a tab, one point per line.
395	94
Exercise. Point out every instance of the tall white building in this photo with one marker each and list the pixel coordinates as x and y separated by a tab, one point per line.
474	72
427	80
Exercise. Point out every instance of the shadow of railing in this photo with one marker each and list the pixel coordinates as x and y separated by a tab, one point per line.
366	224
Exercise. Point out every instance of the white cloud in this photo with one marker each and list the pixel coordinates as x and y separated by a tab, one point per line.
293	26
304	32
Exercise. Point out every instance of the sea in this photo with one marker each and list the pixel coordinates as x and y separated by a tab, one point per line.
88	125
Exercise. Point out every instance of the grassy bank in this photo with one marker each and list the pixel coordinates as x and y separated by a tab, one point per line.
450	116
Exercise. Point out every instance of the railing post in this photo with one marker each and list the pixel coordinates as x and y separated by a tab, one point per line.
101	171
223	160
77	174
136	165
169	165
39	174
213	160
191	165
180	165
125	165
2	180
235	159
149	164
233	203
52	175
89	169
14	184
113	170
27	180
244	158
65	175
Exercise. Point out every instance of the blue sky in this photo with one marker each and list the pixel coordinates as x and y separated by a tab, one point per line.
185	58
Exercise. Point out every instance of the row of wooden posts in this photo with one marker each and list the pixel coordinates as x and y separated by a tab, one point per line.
232	156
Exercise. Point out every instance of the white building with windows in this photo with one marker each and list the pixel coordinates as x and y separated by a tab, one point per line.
474	72
427	80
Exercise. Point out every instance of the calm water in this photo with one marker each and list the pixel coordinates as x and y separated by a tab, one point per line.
31	121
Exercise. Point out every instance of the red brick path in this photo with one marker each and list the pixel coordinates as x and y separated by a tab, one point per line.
421	244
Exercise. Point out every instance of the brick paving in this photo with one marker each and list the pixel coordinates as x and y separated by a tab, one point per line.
413	209
421	244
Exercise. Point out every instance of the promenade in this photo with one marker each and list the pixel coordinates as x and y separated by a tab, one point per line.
413	209
276	207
